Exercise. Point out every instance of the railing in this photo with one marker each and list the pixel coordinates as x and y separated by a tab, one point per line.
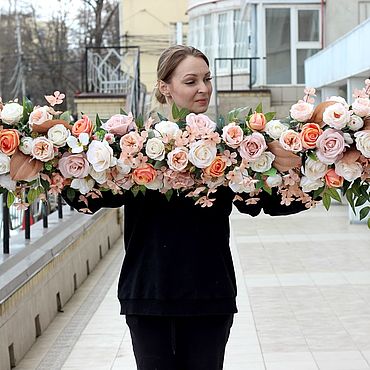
242	70
13	218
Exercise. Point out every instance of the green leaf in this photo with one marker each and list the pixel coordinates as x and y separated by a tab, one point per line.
10	198
334	194
159	164
31	195
71	194
360	201
267	189
312	155
183	113
135	190
271	172
368	223
122	111
168	194
318	192
259	108
326	199
259	185
364	212
98	122
350	198
175	112
269	116
220	123
346	185
66	116
142	189
162	118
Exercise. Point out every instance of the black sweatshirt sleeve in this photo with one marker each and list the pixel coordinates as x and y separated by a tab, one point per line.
108	200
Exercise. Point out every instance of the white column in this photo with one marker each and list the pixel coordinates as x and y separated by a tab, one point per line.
354	83
328	91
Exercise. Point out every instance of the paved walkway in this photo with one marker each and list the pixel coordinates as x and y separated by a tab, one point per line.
304	301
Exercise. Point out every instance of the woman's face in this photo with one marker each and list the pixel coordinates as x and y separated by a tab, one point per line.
190	86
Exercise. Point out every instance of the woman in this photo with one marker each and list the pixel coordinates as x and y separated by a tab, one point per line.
177	286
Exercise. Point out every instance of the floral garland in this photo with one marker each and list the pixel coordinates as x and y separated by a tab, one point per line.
312	154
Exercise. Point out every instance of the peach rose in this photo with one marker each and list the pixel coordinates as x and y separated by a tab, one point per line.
257	121
309	134
74	165
232	135
144	174
178	159
119	124
131	143
333	180
252	146
9	141
39	116
82	125
42	149
216	168
301	111
290	140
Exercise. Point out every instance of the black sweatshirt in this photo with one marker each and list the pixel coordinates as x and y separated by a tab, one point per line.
178	259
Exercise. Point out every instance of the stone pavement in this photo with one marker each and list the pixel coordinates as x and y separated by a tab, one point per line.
303	298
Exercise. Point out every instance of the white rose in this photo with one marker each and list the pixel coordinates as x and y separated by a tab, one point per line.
275	180
39	116
58	135
361	107
4	163
348	138
122	168
11	113
242	182
309	185
167	128
154	149
202	154
301	111
314	169
25	145
100	155
336	116
99	177
82	185
7	183
275	128
363	142
355	123
339	99
156	184
349	171
263	163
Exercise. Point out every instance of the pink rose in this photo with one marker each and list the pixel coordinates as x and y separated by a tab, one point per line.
42	149
200	124
119	124
177	180
330	146
178	159
361	107
291	140
74	165
232	135
39	116
131	143
252	146
301	111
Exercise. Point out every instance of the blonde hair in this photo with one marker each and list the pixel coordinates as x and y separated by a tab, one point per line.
167	63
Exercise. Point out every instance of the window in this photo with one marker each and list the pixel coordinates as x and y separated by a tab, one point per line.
292	35
240	40
208	39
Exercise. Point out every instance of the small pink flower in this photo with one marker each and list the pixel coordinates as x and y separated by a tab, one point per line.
55	99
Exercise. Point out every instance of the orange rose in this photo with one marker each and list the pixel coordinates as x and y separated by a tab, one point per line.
216	168
144	174
9	141
257	121
309	134
82	125
333	180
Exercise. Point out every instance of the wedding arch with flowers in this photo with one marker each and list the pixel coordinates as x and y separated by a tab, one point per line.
320	152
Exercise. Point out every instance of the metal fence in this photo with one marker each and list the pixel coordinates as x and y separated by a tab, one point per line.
19	219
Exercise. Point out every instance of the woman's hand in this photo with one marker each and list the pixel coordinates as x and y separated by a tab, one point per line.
284	159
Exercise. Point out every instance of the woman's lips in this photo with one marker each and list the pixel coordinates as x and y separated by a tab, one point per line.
202	101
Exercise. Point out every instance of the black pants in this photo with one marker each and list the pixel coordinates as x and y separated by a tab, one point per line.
179	343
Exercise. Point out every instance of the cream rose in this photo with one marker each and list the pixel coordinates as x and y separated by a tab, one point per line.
100	155
178	159
167	128
309	185
83	185
274	181
202	154
275	128
336	116
355	123
39	116
339	99
291	140
241	182
4	163
232	134
42	149
252	146
154	149
314	169
363	142
100	177
11	113
301	111
349	171
25	145
263	163
122	168
58	135
361	107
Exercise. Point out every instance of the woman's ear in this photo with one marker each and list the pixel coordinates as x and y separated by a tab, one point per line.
163	88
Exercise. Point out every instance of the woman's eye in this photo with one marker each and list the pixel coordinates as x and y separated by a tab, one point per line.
208	78
189	82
